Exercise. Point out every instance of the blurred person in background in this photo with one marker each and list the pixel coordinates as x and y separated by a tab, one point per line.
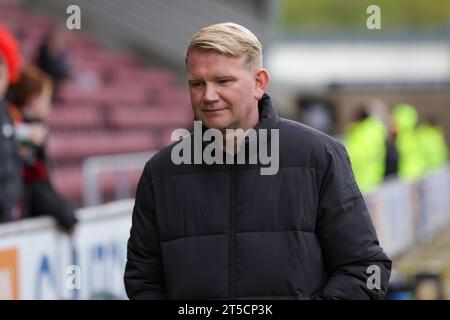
428	286
365	140
31	104
52	58
391	150
10	177
400	288
411	161
224	231
433	144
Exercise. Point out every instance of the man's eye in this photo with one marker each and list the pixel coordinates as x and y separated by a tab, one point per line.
224	81
196	84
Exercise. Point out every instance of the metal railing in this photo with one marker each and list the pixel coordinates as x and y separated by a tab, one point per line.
119	165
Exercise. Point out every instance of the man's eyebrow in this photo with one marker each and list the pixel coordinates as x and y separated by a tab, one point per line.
215	78
225	76
194	79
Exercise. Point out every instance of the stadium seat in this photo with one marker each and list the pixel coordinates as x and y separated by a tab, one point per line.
75	117
65	146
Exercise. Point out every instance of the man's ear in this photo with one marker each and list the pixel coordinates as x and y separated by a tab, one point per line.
261	82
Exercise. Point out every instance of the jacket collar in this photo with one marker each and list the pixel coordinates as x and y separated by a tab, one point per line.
268	117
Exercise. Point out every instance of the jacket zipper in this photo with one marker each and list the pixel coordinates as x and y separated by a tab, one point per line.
232	235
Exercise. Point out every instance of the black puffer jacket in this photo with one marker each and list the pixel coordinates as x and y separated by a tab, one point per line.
228	232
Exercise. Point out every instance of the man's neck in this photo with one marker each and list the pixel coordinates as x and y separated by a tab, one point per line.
233	138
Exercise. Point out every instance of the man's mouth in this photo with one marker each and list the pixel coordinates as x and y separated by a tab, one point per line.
213	110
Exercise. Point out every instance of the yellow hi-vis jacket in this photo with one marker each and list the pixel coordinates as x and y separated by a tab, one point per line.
366	145
433	144
411	162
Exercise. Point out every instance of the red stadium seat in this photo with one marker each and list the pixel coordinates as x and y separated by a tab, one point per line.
66	146
76	117
149	118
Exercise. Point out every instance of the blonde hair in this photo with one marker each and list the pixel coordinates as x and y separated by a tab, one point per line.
229	39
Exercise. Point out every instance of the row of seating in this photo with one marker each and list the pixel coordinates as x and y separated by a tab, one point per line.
77	118
85	144
30	28
109	105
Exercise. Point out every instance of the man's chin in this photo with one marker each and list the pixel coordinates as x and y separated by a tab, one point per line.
216	124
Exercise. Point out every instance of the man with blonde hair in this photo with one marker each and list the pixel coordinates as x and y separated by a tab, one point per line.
226	230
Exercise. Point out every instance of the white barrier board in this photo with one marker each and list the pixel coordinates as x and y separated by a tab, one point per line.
39	262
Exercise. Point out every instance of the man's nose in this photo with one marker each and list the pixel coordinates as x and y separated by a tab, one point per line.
210	94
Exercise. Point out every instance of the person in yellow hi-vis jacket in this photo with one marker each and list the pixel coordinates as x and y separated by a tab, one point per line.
411	163
433	144
365	141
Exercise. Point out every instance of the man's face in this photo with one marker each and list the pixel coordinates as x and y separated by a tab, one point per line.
223	90
3	79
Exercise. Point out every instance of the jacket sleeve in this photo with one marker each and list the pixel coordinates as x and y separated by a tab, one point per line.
144	276
357	266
